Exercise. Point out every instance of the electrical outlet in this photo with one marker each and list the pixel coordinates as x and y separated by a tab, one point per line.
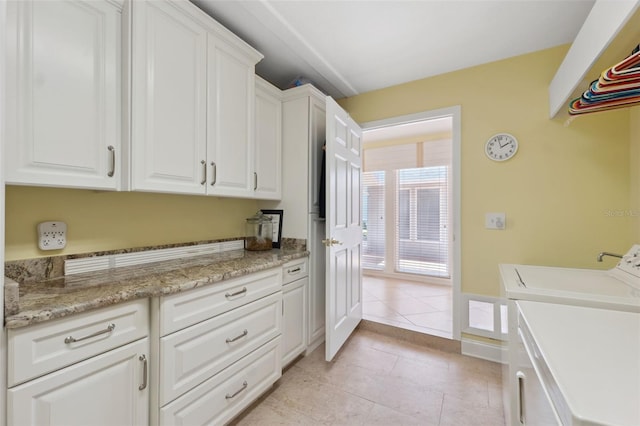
52	235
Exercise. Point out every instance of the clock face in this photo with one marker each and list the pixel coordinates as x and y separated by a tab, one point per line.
501	147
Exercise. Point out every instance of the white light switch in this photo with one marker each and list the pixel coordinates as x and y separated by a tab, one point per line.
495	221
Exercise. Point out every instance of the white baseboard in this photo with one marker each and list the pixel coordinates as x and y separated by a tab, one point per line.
314	345
483	350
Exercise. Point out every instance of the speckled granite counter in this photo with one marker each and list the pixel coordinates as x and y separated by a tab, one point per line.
61	297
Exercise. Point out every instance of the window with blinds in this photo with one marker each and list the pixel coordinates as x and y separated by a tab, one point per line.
373	235
408	184
422	238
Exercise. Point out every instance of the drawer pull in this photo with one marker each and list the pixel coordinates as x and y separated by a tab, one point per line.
293	271
233	395
72	339
143	386
244	333
237	293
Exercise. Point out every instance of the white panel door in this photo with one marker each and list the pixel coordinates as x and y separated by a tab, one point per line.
343	228
168	98
63	93
231	85
108	389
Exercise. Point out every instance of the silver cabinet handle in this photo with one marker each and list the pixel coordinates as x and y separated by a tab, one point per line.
72	339
237	293
143	386
244	333
214	170
521	409
233	395
112	150
204	172
255	181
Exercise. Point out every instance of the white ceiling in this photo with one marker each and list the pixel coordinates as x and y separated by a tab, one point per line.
348	47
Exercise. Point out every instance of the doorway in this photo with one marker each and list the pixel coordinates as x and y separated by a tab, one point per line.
410	217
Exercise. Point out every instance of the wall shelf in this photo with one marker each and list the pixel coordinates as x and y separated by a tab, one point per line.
609	34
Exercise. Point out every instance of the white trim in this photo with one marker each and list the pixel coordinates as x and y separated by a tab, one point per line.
496	303
455	112
284	30
490	352
99	263
3	333
445	282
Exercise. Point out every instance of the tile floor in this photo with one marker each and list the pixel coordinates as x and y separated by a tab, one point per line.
381	380
416	306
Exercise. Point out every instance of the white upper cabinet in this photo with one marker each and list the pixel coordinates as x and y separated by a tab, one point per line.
230	126
268	142
169	89
64	93
192	102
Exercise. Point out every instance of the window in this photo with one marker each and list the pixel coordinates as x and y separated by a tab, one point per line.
422	216
373	217
406	205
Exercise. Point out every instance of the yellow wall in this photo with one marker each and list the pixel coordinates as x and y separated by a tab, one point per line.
562	192
113	220
634	151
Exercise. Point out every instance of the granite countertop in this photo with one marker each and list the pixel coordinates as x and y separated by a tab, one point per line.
60	297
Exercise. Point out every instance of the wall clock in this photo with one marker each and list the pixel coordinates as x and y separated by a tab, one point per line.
501	147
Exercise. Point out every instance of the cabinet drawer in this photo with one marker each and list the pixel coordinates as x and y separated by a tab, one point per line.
295	270
225	395
195	354
185	309
40	349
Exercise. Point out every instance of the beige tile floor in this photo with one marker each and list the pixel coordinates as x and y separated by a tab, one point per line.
381	380
416	306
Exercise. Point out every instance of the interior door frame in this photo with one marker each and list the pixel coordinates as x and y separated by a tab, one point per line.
455	113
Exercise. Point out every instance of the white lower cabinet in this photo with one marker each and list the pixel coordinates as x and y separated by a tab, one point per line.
226	394
220	347
86	369
193	355
294	310
316	331
108	389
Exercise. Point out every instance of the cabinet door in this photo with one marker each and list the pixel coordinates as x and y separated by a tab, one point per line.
63	94
231	86
109	389
294	310
316	281
169	51
268	142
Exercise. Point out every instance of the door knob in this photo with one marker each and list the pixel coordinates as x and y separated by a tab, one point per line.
331	242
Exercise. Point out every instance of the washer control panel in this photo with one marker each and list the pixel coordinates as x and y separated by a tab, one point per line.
630	262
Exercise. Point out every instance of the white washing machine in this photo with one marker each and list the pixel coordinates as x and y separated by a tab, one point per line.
617	289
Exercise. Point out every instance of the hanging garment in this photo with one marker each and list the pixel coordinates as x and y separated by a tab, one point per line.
322	190
617	87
